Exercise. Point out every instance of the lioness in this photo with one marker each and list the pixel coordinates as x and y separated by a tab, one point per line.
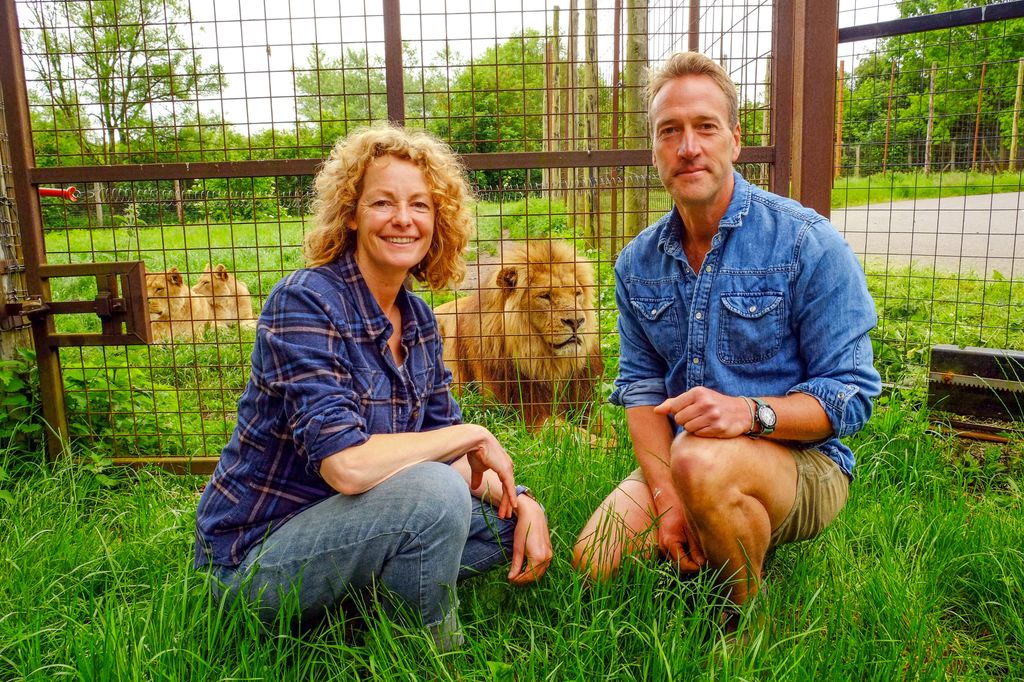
174	312
227	296
528	336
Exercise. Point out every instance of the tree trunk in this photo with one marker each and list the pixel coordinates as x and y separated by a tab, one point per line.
590	129
634	111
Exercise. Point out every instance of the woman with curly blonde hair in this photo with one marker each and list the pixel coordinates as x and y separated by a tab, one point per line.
350	466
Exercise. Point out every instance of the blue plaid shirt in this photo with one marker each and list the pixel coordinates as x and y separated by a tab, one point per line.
322	381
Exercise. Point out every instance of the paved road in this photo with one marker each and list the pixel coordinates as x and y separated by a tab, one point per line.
981	233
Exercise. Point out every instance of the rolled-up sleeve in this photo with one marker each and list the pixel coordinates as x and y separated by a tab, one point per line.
304	360
834	313
641	377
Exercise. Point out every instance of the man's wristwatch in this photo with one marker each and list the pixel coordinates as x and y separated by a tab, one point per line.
764	415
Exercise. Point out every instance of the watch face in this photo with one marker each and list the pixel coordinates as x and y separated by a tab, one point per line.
766	416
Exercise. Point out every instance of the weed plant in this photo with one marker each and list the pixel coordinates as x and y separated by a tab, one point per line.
921	577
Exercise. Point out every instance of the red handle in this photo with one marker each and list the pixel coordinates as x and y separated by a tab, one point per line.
69	193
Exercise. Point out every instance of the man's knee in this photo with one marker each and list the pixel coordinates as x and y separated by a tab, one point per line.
699	466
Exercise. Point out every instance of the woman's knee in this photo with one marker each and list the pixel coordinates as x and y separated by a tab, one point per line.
445	502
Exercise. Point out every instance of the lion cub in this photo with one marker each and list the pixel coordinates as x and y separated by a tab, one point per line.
174	312
227	296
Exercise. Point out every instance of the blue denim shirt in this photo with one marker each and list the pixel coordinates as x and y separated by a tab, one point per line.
322	380
780	306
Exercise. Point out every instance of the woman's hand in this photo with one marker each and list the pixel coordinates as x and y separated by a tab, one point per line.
489	454
531	544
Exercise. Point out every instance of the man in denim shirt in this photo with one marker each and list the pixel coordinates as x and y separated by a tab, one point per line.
745	356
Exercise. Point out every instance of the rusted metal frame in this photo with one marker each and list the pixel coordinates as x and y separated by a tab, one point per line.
933	22
693	32
814	100
270	168
780	171
394	75
30	223
115	305
175	465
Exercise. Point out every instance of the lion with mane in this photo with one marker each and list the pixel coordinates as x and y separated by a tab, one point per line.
528	335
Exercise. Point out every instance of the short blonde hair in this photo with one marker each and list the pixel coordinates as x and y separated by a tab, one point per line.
339	184
693	64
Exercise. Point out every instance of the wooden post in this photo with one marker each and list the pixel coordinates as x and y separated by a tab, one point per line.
635	115
693	32
179	204
613	214
977	118
928	141
555	176
856	161
888	119
839	119
589	126
570	111
545	173
1013	162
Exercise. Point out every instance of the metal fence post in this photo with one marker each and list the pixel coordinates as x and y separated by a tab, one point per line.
30	222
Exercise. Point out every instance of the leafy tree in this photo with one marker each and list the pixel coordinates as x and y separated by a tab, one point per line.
341	93
107	68
497	104
959	54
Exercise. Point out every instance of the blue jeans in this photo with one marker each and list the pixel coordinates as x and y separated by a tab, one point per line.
416	533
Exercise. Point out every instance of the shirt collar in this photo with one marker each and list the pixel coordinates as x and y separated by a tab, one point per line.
377	323
670	239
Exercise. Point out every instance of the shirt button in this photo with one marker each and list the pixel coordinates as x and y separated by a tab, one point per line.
752	308
699	316
707	268
841	394
696	361
654	311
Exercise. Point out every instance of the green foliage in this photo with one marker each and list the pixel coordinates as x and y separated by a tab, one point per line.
21	422
104	64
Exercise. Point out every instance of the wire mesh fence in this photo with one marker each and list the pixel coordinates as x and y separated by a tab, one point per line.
928	180
191	133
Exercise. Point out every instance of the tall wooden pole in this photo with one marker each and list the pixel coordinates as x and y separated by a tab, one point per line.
888	119
613	231
928	141
977	118
589	125
573	106
1014	162
839	118
635	114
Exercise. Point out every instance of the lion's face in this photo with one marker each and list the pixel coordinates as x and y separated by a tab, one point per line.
550	308
166	292
559	308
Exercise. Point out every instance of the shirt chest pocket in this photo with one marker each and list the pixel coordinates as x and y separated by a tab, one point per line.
658	317
750	327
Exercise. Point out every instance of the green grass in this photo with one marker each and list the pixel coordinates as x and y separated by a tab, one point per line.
921	577
888	187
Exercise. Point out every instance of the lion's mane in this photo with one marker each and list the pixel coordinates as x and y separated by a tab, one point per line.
528	335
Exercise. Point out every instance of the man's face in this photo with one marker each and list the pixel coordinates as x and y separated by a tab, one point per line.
694	147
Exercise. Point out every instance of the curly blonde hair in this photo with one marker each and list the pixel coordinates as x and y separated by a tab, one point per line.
339	184
682	64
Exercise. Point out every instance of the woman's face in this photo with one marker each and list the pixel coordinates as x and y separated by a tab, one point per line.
394	219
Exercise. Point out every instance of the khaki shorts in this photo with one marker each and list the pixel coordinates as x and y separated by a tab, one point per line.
821	492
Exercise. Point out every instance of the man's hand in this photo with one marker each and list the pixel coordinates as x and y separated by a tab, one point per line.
489	454
707	413
531	544
676	540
